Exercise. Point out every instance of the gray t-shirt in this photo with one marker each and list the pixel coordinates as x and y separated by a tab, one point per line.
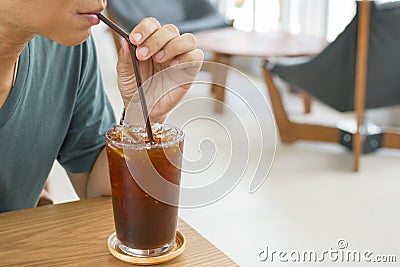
57	109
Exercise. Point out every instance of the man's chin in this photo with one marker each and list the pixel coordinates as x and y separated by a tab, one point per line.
73	40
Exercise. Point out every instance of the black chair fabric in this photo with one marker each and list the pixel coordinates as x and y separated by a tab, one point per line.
330	76
187	15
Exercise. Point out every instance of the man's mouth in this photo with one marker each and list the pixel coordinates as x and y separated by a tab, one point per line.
90	17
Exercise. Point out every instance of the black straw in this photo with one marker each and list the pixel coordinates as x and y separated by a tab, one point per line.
135	62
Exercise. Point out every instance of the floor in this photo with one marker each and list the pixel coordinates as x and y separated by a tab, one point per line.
311	203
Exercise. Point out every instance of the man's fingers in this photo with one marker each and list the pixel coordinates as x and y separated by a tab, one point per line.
153	45
175	47
144	30
192	58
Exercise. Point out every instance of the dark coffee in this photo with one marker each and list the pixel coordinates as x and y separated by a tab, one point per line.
141	221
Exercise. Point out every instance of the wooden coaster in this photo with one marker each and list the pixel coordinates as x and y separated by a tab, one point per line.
174	252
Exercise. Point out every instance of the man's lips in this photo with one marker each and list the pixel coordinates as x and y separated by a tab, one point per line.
90	17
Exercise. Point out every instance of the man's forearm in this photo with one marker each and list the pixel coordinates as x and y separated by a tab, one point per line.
79	182
93	184
98	183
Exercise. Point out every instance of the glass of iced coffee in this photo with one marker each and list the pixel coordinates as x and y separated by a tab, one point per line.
145	179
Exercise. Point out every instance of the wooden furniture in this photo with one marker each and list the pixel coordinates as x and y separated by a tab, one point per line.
75	234
225	43
356	138
361	78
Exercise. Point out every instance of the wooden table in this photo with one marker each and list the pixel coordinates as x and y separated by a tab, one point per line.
75	234
227	42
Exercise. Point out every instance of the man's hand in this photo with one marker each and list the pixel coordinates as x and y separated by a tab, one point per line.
170	59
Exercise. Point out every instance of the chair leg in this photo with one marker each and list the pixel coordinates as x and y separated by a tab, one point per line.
219	73
306	103
285	126
291	131
391	139
305	97
357	150
361	77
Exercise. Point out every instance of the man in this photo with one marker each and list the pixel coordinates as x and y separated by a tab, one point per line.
52	103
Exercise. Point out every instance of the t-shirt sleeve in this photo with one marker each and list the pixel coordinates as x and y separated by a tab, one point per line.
92	116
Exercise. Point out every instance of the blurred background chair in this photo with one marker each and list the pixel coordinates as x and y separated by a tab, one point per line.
188	15
359	70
